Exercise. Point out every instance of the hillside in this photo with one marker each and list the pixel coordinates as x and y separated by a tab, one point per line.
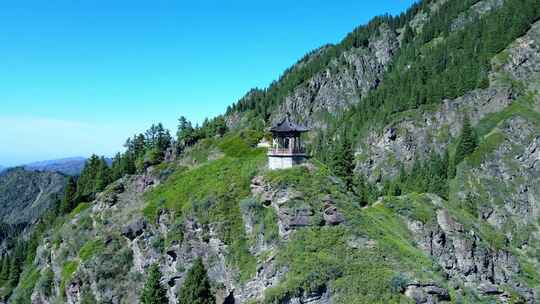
424	186
26	195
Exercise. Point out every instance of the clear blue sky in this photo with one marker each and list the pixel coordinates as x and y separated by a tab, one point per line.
80	76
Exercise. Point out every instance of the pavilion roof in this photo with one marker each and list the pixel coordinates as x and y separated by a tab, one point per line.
287	126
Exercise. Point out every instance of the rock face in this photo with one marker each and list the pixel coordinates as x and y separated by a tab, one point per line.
427	293
346	80
462	256
292	210
407	138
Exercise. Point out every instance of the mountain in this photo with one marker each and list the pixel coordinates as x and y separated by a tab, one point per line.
424	186
70	166
25	195
2	168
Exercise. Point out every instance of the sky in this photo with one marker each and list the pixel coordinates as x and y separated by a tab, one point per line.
80	76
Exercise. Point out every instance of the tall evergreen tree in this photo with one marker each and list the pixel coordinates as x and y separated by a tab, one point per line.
16	265
186	133
467	142
196	288
342	160
68	201
153	292
102	176
4	274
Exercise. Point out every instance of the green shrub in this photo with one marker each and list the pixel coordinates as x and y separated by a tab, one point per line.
80	208
91	248
212	192
68	269
46	282
196	288
24	290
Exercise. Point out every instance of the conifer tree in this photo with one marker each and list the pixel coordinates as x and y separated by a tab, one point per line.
16	265
361	189
68	201
394	189
154	292
408	35
467	142
102	175
4	274
196	288
342	160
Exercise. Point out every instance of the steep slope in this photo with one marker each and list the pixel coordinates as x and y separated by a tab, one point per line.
292	236
25	195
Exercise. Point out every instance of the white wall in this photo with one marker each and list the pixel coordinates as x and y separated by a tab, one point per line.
275	163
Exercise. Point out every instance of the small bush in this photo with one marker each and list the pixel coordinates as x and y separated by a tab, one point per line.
80	208
46	282
399	283
90	249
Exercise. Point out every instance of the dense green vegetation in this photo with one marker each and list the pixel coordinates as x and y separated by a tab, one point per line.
94	177
342	258
153	292
196	288
448	68
212	192
263	101
449	61
467	142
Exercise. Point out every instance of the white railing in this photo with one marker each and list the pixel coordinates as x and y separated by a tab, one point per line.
283	151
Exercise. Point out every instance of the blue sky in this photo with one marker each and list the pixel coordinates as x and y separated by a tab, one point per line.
79	77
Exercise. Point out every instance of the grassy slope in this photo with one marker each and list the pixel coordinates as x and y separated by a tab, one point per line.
211	192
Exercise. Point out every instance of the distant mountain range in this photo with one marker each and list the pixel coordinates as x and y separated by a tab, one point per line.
69	165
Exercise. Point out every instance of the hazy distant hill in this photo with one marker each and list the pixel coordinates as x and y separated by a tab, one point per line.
69	166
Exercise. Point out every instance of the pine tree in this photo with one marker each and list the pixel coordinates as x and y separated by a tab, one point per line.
16	265
4	274
408	35
154	292
68	201
467	142
117	169
196	288
361	189
102	175
342	160
394	189
186	133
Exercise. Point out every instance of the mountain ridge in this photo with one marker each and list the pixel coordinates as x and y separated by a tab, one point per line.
69	165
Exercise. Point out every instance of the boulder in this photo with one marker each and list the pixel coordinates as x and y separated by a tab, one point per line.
331	215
